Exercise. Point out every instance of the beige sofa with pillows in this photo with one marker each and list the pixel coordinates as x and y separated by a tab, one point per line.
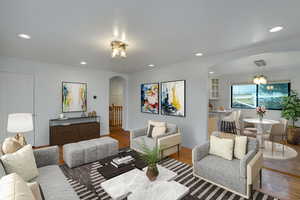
28	174
165	136
230	161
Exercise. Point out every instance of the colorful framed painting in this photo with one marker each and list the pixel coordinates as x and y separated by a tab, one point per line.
74	97
173	98
150	98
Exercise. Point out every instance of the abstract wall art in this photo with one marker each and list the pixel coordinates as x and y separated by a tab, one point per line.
173	98
150	98
74	97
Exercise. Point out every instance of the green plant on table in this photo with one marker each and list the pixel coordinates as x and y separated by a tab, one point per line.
150	156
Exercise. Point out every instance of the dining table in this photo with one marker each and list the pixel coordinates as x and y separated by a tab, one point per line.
261	126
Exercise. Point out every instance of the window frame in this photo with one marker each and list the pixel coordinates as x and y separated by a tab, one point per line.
231	90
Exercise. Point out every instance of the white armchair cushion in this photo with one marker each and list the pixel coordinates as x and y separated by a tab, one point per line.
13	187
21	162
159	128
35	189
240	146
221	147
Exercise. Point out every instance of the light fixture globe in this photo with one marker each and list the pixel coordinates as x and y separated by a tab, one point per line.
260	79
263	79
118	49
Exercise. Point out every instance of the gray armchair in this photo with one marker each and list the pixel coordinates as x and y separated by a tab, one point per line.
237	176
169	143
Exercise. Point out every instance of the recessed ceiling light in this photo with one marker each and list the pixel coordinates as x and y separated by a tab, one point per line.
275	29
199	54
24	36
83	63
211	72
151	65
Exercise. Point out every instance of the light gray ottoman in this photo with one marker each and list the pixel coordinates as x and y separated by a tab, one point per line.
87	151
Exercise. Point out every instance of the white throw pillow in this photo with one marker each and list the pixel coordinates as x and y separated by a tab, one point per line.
240	147
158	129
21	162
221	147
13	187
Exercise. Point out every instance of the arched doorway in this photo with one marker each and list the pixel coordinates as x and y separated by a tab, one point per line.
117	103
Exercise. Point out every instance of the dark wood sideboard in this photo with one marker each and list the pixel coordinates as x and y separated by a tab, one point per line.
70	130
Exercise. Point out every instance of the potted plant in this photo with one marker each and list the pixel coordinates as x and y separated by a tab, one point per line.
151	157
291	111
261	111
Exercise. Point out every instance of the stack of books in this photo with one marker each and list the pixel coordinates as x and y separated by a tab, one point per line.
123	161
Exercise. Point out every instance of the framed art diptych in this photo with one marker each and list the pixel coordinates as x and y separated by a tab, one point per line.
173	98
150	98
74	97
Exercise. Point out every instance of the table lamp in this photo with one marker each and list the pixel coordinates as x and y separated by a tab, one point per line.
20	123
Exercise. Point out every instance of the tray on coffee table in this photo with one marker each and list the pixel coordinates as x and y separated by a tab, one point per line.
109	171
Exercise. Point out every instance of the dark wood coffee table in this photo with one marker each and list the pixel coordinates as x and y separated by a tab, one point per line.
109	171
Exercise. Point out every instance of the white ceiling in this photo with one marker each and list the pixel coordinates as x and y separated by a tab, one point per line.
275	61
161	32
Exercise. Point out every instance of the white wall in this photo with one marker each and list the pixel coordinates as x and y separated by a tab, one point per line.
48	79
194	125
290	74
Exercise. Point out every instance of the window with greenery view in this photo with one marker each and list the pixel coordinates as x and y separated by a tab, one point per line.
243	96
250	96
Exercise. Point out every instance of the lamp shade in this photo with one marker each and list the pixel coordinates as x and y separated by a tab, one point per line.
19	123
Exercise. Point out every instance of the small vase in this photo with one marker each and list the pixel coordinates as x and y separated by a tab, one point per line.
152	172
261	117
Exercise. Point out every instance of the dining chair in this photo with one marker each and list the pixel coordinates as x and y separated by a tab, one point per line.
230	123
278	133
238	121
248	129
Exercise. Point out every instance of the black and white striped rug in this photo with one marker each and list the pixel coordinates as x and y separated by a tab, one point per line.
86	181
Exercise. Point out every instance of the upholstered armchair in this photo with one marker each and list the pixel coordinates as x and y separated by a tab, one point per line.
168	143
237	176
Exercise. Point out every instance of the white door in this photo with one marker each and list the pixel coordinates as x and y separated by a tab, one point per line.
16	96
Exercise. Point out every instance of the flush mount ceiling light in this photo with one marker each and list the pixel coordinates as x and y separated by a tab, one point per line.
211	72
199	54
260	79
83	63
275	29
118	49
24	36
151	65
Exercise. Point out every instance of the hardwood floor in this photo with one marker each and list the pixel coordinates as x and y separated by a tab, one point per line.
275	183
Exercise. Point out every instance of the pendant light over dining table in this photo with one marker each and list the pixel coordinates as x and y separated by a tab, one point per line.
260	78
